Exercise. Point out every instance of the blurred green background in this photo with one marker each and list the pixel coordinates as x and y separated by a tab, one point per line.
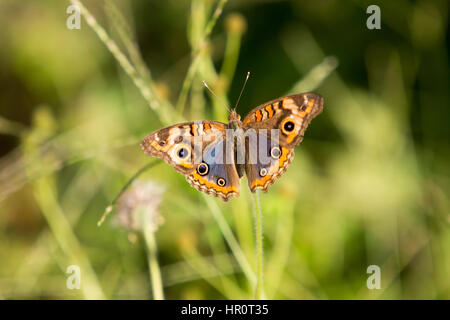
369	184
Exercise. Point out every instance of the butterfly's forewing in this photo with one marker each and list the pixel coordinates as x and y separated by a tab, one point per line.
195	150
299	109
290	116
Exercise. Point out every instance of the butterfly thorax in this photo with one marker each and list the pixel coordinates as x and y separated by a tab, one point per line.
234	120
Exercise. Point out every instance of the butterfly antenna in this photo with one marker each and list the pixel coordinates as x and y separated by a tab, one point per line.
212	92
242	90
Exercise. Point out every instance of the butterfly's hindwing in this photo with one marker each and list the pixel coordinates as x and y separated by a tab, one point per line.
188	147
272	161
214	175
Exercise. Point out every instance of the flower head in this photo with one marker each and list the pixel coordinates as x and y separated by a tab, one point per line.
139	205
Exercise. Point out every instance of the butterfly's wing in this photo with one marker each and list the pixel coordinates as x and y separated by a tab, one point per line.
280	125
272	161
299	109
197	150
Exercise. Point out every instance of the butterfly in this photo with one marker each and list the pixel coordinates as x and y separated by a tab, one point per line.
213	156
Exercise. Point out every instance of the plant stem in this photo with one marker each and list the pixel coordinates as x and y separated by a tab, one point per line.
231	240
125	187
315	76
11	127
259	294
65	237
232	49
153	265
198	46
187	85
213	20
162	109
127	37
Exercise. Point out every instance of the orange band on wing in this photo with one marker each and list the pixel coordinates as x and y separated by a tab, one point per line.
194	129
217	126
258	116
269	110
294	133
208	184
185	164
155	145
308	109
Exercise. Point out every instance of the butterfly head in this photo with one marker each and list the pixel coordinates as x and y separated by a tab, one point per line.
234	116
234	120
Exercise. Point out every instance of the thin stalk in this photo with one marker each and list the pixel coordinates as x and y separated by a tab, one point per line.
65	237
208	271
197	100
281	247
198	46
213	20
11	127
127	36
187	85
236	27
315	76
125	187
153	265
259	292
231	57
162	111
231	240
